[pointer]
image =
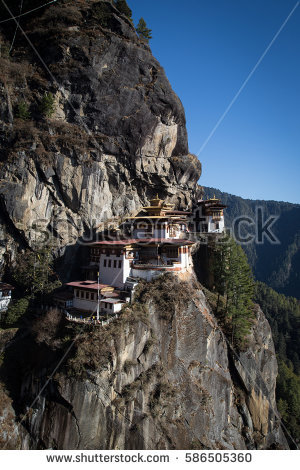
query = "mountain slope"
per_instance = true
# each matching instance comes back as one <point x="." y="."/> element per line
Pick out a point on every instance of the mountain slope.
<point x="80" y="154"/>
<point x="278" y="265"/>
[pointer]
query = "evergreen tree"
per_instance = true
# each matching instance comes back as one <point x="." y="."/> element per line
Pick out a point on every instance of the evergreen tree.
<point x="47" y="105"/>
<point x="234" y="280"/>
<point x="288" y="396"/>
<point x="23" y="110"/>
<point x="122" y="6"/>
<point x="34" y="274"/>
<point x="143" y="32"/>
<point x="16" y="309"/>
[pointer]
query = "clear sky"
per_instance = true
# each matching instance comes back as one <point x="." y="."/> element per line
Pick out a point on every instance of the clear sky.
<point x="208" y="48"/>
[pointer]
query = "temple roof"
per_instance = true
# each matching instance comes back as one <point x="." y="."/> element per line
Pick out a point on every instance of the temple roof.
<point x="4" y="286"/>
<point x="212" y="204"/>
<point x="112" y="301"/>
<point x="157" y="205"/>
<point x="89" y="285"/>
<point x="133" y="241"/>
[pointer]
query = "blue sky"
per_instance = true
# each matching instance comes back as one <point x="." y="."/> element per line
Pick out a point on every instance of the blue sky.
<point x="208" y="48"/>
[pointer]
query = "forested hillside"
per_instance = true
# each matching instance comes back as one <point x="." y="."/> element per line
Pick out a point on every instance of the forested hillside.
<point x="283" y="314"/>
<point x="278" y="265"/>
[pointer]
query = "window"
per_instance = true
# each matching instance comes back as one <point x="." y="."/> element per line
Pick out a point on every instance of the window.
<point x="76" y="293"/>
<point x="109" y="263"/>
<point x="104" y="263"/>
<point x="105" y="304"/>
<point x="110" y="306"/>
<point x="120" y="264"/>
<point x="81" y="294"/>
<point x="92" y="296"/>
<point x="115" y="263"/>
<point x="87" y="295"/>
<point x="172" y="252"/>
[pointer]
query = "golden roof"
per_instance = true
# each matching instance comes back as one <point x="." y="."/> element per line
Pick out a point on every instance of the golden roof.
<point x="158" y="204"/>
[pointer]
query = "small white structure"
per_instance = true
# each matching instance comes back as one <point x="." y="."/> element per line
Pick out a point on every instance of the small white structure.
<point x="209" y="216"/>
<point x="5" y="296"/>
<point x="87" y="293"/>
<point x="111" y="306"/>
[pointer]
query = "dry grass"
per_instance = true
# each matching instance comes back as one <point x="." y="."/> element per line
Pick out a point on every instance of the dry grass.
<point x="14" y="74"/>
<point x="46" y="328"/>
<point x="167" y="293"/>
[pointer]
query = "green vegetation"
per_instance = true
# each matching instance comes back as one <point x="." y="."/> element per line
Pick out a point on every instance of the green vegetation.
<point x="4" y="50"/>
<point x="34" y="278"/>
<point x="23" y="110"/>
<point x="34" y="274"/>
<point x="103" y="13"/>
<point x="14" y="6"/>
<point x="234" y="281"/>
<point x="47" y="105"/>
<point x="288" y="398"/>
<point x="123" y="8"/>
<point x="283" y="314"/>
<point x="16" y="309"/>
<point x="276" y="265"/>
<point x="143" y="32"/>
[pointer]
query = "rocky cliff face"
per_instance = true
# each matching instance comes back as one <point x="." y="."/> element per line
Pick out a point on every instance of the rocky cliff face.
<point x="159" y="377"/>
<point x="162" y="375"/>
<point x="117" y="135"/>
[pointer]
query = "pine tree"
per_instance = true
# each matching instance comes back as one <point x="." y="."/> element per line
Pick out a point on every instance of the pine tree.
<point x="16" y="309"/>
<point x="234" y="280"/>
<point x="122" y="6"/>
<point x="23" y="110"/>
<point x="143" y="32"/>
<point x="34" y="274"/>
<point x="47" y="105"/>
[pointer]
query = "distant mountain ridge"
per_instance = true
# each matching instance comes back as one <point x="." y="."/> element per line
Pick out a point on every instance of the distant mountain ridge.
<point x="278" y="265"/>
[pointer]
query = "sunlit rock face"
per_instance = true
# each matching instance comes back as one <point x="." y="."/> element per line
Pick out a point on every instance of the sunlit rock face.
<point x="162" y="376"/>
<point x="117" y="135"/>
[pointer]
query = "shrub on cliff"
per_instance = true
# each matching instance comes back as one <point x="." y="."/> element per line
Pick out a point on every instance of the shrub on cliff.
<point x="23" y="110"/>
<point x="167" y="292"/>
<point x="47" y="326"/>
<point x="103" y="13"/>
<point x="143" y="32"/>
<point x="47" y="105"/>
<point x="123" y="8"/>
<point x="33" y="273"/>
<point x="16" y="309"/>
